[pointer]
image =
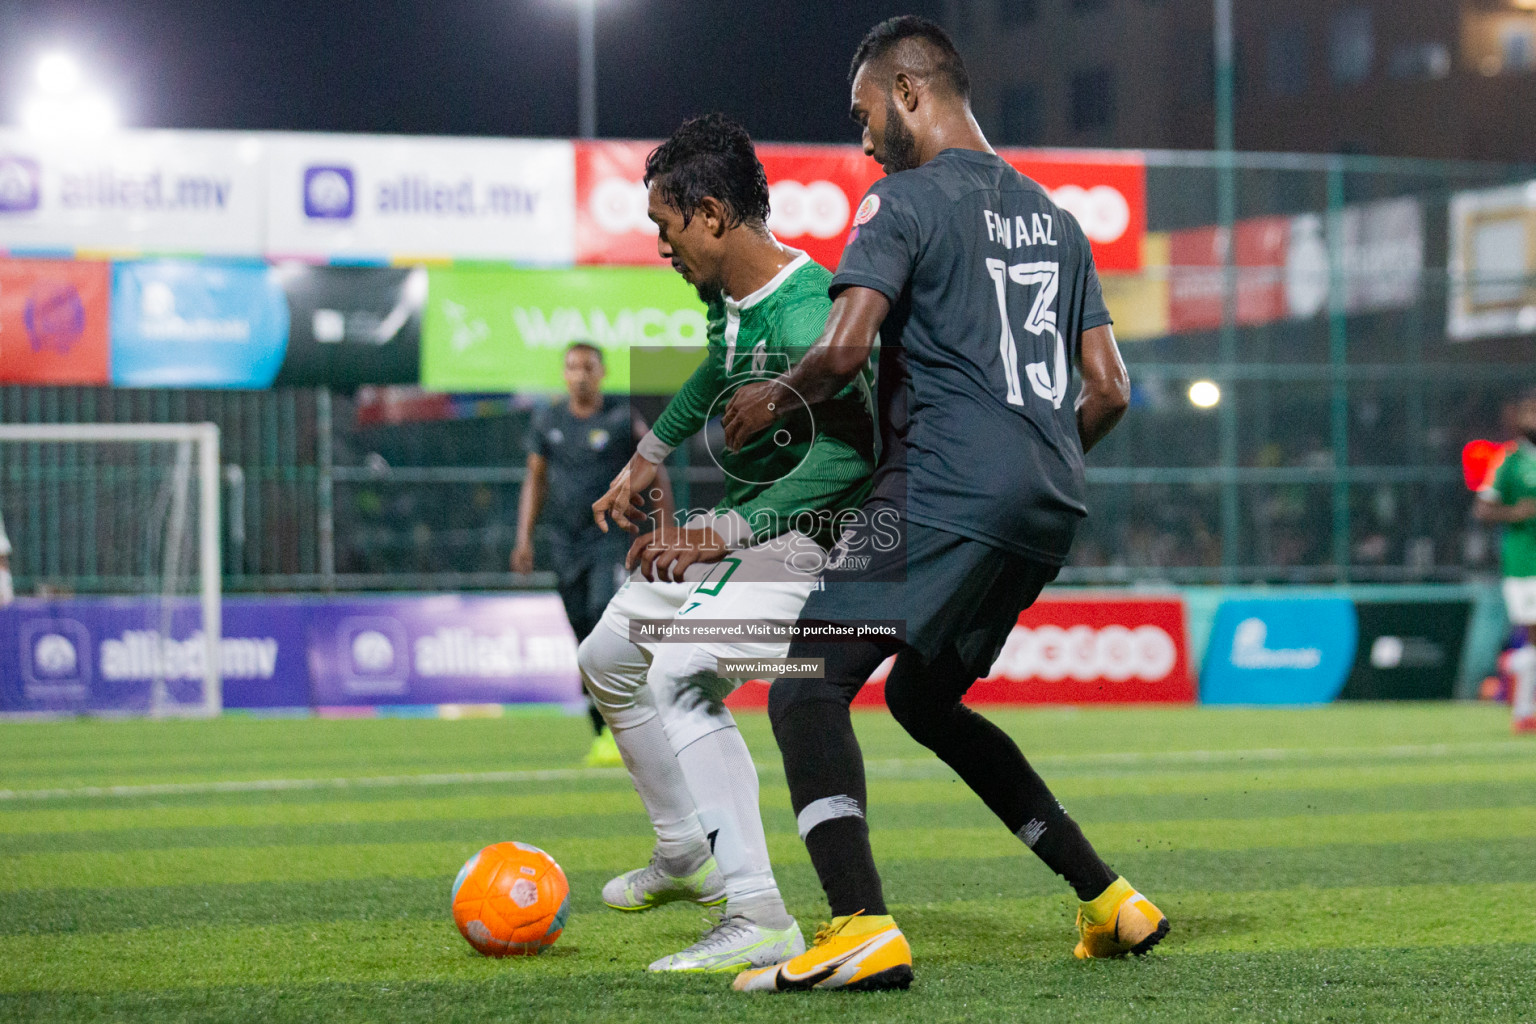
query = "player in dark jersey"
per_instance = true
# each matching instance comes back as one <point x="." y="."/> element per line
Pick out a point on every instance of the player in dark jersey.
<point x="983" y="295"/>
<point x="574" y="448"/>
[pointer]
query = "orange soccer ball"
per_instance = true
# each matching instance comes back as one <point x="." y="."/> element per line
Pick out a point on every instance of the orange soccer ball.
<point x="511" y="899"/>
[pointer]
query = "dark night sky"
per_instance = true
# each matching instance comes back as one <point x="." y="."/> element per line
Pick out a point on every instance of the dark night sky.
<point x="453" y="67"/>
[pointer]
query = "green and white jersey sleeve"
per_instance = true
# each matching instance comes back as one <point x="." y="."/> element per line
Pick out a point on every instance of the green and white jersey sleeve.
<point x="773" y="486"/>
<point x="1514" y="482"/>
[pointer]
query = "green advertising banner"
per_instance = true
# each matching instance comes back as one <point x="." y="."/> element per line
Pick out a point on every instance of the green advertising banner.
<point x="502" y="329"/>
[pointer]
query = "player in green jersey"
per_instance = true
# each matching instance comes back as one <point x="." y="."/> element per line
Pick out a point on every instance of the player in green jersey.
<point x="753" y="558"/>
<point x="1511" y="500"/>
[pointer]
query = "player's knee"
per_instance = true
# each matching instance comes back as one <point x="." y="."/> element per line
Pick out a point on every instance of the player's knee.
<point x="602" y="671"/>
<point x="786" y="696"/>
<point x="688" y="693"/>
<point x="918" y="708"/>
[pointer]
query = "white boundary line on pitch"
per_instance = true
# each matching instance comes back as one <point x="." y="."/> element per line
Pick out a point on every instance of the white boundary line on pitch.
<point x="887" y="768"/>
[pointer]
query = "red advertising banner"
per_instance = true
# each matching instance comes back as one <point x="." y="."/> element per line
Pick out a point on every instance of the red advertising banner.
<point x="1105" y="191"/>
<point x="611" y="225"/>
<point x="815" y="189"/>
<point x="1072" y="650"/>
<point x="53" y="322"/>
<point x="1195" y="258"/>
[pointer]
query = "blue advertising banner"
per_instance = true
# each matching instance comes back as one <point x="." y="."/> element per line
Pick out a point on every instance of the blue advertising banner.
<point x="179" y="323"/>
<point x="1296" y="651"/>
<point x="442" y="650"/>
<point x="102" y="655"/>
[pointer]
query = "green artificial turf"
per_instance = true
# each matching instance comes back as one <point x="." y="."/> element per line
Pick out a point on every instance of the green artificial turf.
<point x="1351" y="863"/>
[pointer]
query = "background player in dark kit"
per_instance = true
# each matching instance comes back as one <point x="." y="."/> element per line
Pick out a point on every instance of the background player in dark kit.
<point x="984" y="297"/>
<point x="574" y="448"/>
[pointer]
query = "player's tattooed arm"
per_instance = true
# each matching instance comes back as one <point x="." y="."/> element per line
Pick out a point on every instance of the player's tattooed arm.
<point x="1106" y="390"/>
<point x="835" y="359"/>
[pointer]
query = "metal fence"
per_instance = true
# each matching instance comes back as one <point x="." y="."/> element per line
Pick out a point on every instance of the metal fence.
<point x="1333" y="454"/>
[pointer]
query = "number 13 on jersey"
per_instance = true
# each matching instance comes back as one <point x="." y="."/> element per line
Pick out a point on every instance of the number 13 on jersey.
<point x="1041" y="322"/>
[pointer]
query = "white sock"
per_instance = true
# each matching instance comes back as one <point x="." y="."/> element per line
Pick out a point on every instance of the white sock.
<point x="1523" y="664"/>
<point x="614" y="670"/>
<point x="723" y="781"/>
<point x="682" y="845"/>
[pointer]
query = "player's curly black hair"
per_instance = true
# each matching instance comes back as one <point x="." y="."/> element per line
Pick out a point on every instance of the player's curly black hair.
<point x="947" y="65"/>
<point x="710" y="156"/>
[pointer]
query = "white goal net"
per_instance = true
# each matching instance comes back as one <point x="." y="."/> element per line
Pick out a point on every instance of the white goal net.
<point x="116" y="527"/>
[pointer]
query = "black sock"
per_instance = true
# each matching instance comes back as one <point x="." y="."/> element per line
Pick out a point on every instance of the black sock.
<point x="840" y="853"/>
<point x="925" y="699"/>
<point x="598" y="725"/>
<point x="1061" y="844"/>
<point x="825" y="771"/>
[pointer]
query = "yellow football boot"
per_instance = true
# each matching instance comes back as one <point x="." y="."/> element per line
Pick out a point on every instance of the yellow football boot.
<point x="854" y="953"/>
<point x="1120" y="921"/>
<point x="604" y="752"/>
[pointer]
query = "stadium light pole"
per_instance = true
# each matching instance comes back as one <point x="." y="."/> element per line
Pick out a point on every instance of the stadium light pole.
<point x="586" y="48"/>
<point x="1223" y="47"/>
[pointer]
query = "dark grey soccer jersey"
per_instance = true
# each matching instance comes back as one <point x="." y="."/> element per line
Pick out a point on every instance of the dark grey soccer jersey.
<point x="991" y="286"/>
<point x="583" y="456"/>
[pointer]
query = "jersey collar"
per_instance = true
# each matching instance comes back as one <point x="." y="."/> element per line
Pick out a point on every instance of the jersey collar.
<point x="800" y="260"/>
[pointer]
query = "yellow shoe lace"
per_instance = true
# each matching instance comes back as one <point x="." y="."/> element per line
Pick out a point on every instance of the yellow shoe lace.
<point x="827" y="931"/>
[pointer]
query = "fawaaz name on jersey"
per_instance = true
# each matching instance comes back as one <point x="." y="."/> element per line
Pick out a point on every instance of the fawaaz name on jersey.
<point x="1016" y="232"/>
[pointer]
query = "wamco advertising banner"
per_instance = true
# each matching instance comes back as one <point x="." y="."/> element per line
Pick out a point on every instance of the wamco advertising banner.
<point x="186" y="324"/>
<point x="383" y="198"/>
<point x="350" y="326"/>
<point x="171" y="192"/>
<point x="53" y="322"/>
<point x="500" y="330"/>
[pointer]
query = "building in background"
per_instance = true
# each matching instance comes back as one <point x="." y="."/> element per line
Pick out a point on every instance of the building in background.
<point x="1424" y="78"/>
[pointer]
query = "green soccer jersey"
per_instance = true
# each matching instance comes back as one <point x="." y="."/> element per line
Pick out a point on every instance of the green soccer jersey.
<point x="1514" y="482"/>
<point x="806" y="467"/>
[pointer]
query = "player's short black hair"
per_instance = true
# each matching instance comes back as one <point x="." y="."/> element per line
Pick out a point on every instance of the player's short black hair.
<point x="948" y="66"/>
<point x="710" y="156"/>
<point x="586" y="346"/>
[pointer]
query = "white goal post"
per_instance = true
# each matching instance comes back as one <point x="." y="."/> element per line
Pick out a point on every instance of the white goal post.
<point x="203" y="439"/>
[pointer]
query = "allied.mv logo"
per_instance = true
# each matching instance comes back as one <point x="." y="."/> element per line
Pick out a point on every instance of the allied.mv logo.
<point x="330" y="193"/>
<point x="54" y="656"/>
<point x="19" y="184"/>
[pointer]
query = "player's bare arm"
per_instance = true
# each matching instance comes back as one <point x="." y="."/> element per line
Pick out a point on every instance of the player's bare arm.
<point x="1106" y="390"/>
<point x="530" y="502"/>
<point x="663" y="501"/>
<point x="841" y="352"/>
<point x="1489" y="510"/>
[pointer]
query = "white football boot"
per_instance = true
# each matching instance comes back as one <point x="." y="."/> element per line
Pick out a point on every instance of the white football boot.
<point x="734" y="944"/>
<point x="650" y="886"/>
